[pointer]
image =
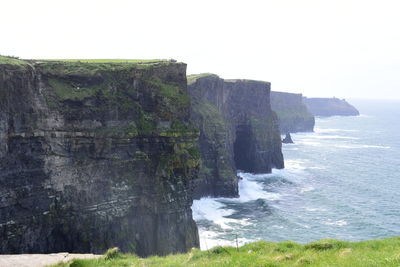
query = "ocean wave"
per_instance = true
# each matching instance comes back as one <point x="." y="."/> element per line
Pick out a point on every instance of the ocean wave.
<point x="314" y="209"/>
<point x="252" y="190"/>
<point x="211" y="209"/>
<point x="306" y="189"/>
<point x="362" y="146"/>
<point x="214" y="210"/>
<point x="332" y="130"/>
<point x="336" y="223"/>
<point x="307" y="142"/>
<point x="335" y="137"/>
<point x="366" y="116"/>
<point x="295" y="164"/>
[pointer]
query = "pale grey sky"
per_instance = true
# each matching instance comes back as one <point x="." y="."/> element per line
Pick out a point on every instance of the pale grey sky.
<point x="342" y="48"/>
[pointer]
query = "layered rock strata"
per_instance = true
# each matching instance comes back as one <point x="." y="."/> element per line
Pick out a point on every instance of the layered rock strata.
<point x="94" y="156"/>
<point x="293" y="114"/>
<point x="238" y="131"/>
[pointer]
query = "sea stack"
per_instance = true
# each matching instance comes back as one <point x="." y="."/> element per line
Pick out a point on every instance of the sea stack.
<point x="287" y="139"/>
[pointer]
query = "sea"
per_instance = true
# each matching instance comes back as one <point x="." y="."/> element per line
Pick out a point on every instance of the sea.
<point x="341" y="181"/>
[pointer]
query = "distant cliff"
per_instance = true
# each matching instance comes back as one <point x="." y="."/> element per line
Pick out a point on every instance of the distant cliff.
<point x="292" y="113"/>
<point x="330" y="107"/>
<point x="238" y="130"/>
<point x="96" y="155"/>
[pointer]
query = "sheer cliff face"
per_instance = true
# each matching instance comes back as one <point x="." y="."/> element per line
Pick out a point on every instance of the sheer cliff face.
<point x="94" y="156"/>
<point x="238" y="130"/>
<point x="292" y="113"/>
<point x="330" y="107"/>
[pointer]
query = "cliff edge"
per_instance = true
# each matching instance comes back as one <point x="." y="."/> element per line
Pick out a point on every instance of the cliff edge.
<point x="330" y="107"/>
<point x="96" y="155"/>
<point x="293" y="114"/>
<point x="238" y="130"/>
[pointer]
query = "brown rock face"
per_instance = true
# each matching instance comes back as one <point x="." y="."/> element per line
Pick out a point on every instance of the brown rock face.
<point x="94" y="156"/>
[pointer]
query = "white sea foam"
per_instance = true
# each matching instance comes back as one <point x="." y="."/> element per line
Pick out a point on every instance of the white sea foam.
<point x="294" y="164"/>
<point x="362" y="146"/>
<point x="306" y="189"/>
<point x="314" y="209"/>
<point x="308" y="142"/>
<point x="332" y="130"/>
<point x="211" y="209"/>
<point x="337" y="223"/>
<point x="250" y="189"/>
<point x="316" y="168"/>
<point x="335" y="137"/>
<point x="366" y="116"/>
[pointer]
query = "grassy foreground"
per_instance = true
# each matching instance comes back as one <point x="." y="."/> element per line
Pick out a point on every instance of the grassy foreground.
<point x="384" y="252"/>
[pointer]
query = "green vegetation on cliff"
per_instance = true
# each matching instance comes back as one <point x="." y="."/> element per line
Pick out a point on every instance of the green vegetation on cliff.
<point x="13" y="61"/>
<point x="106" y="60"/>
<point x="292" y="113"/>
<point x="123" y="127"/>
<point x="193" y="77"/>
<point x="328" y="252"/>
<point x="213" y="128"/>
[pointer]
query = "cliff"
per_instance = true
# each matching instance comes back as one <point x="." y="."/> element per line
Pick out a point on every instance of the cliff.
<point x="96" y="155"/>
<point x="238" y="130"/>
<point x="293" y="114"/>
<point x="330" y="107"/>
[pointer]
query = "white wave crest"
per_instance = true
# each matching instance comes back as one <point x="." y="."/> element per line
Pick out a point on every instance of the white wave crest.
<point x="335" y="137"/>
<point x="250" y="189"/>
<point x="211" y="209"/>
<point x="332" y="130"/>
<point x="362" y="146"/>
<point x="337" y="223"/>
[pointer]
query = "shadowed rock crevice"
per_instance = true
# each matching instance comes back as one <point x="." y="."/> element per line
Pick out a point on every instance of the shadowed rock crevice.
<point x="243" y="149"/>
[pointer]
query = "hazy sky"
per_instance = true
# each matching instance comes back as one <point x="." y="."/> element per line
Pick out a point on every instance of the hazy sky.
<point x="342" y="48"/>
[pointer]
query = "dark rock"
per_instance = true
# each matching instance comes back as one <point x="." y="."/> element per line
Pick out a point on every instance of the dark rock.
<point x="330" y="107"/>
<point x="238" y="130"/>
<point x="94" y="156"/>
<point x="292" y="113"/>
<point x="287" y="139"/>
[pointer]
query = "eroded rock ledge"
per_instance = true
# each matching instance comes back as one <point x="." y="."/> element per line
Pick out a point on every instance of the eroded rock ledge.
<point x="238" y="130"/>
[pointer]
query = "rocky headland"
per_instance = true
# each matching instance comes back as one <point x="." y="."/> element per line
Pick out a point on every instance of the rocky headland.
<point x="96" y="155"/>
<point x="293" y="114"/>
<point x="238" y="131"/>
<point x="330" y="107"/>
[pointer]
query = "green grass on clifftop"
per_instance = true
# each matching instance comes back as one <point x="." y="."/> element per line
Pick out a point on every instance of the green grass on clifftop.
<point x="12" y="61"/>
<point x="384" y="252"/>
<point x="137" y="61"/>
<point x="191" y="78"/>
